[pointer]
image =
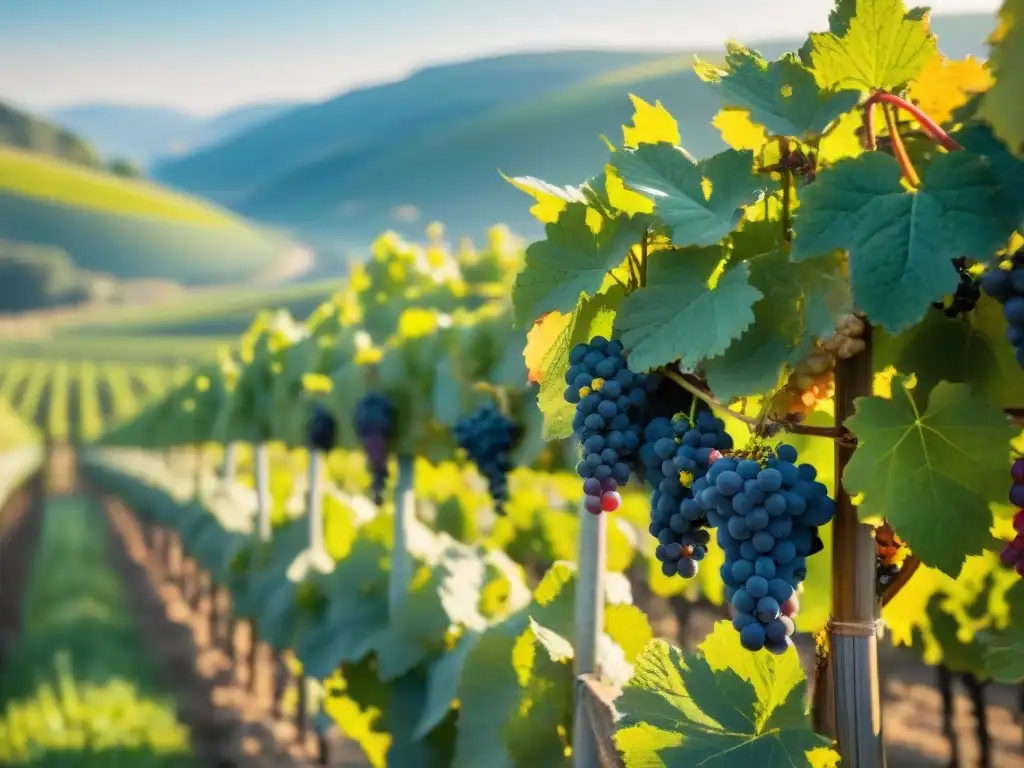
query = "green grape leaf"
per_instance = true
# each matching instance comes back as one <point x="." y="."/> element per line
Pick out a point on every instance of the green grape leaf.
<point x="695" y="214"/>
<point x="443" y="595"/>
<point x="443" y="678"/>
<point x="572" y="260"/>
<point x="592" y="317"/>
<point x="902" y="243"/>
<point x="1006" y="168"/>
<point x="406" y="699"/>
<point x="1001" y="105"/>
<point x="448" y="403"/>
<point x="930" y="474"/>
<point x="535" y="734"/>
<point x="946" y="349"/>
<point x="799" y="301"/>
<point x="488" y="693"/>
<point x="721" y="706"/>
<point x="879" y="47"/>
<point x="1004" y="648"/>
<point x="780" y="95"/>
<point x="678" y="316"/>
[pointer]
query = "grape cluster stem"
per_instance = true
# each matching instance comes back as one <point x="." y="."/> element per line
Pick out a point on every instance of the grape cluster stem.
<point x="761" y="424"/>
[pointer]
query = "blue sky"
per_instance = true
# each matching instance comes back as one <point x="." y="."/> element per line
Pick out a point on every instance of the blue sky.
<point x="207" y="55"/>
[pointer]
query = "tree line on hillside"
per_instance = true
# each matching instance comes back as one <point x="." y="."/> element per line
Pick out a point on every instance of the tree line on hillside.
<point x="23" y="131"/>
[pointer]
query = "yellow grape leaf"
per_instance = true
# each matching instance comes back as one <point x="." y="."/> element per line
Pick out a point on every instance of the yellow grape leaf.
<point x="628" y="626"/>
<point x="1003" y="105"/>
<point x="651" y="124"/>
<point x="841" y="141"/>
<point x="738" y="130"/>
<point x="551" y="199"/>
<point x="623" y="199"/>
<point x="539" y="341"/>
<point x="944" y="85"/>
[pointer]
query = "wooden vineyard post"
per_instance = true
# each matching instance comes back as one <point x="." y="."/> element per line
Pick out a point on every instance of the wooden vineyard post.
<point x="314" y="502"/>
<point x="230" y="465"/>
<point x="262" y="470"/>
<point x="855" y="720"/>
<point x="315" y="510"/>
<point x="197" y="490"/>
<point x="405" y="509"/>
<point x="589" y="626"/>
<point x="263" y="529"/>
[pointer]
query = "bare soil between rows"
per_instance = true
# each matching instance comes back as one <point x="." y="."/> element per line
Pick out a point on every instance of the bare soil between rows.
<point x="232" y="716"/>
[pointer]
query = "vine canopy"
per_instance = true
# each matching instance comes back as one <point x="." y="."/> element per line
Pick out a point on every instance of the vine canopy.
<point x="838" y="193"/>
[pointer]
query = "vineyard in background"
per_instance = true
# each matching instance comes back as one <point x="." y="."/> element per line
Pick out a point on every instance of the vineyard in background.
<point x="77" y="400"/>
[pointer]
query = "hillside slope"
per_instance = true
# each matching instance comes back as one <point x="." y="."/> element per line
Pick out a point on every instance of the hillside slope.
<point x="425" y="102"/>
<point x="128" y="229"/>
<point x="452" y="174"/>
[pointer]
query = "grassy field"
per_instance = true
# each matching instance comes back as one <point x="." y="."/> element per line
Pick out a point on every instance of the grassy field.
<point x="126" y="348"/>
<point x="47" y="178"/>
<point x="200" y="319"/>
<point x="126" y="228"/>
<point x="217" y="313"/>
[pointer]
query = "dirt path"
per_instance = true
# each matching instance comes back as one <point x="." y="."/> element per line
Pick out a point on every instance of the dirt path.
<point x="231" y="715"/>
<point x="19" y="531"/>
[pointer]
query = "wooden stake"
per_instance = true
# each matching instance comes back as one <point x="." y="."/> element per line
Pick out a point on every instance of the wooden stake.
<point x="589" y="623"/>
<point x="853" y="629"/>
<point x="314" y="503"/>
<point x="405" y="509"/>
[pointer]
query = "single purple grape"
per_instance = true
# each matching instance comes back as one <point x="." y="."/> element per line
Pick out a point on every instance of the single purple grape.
<point x="1017" y="495"/>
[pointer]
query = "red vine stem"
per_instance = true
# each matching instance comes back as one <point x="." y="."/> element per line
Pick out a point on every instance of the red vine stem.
<point x="898" y="148"/>
<point x="870" y="143"/>
<point x="928" y="125"/>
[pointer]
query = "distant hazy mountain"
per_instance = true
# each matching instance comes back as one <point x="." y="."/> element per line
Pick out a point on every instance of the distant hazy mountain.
<point x="430" y="146"/>
<point x="144" y="134"/>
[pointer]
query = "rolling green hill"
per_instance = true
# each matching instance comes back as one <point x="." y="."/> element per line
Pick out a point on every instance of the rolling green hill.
<point x="452" y="175"/>
<point x="126" y="228"/>
<point x="425" y="102"/>
<point x="430" y="147"/>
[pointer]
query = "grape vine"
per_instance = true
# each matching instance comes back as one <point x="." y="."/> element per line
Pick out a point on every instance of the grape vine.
<point x="375" y="421"/>
<point x="488" y="437"/>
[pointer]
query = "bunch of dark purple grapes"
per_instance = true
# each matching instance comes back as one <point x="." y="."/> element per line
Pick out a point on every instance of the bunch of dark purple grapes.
<point x="676" y="454"/>
<point x="1013" y="553"/>
<point x="376" y="421"/>
<point x="488" y="436"/>
<point x="1007" y="287"/>
<point x="609" y="400"/>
